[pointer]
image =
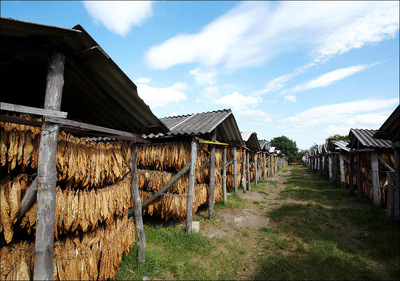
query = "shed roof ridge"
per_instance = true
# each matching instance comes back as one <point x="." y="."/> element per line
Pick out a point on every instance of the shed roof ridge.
<point x="198" y="113"/>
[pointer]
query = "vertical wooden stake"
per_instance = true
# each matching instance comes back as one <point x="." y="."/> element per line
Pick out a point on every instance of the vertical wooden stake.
<point x="389" y="197"/>
<point x="192" y="178"/>
<point x="396" y="193"/>
<point x="351" y="174"/>
<point x="375" y="178"/>
<point x="269" y="165"/>
<point x="212" y="178"/>
<point x="265" y="165"/>
<point x="224" y="176"/>
<point x="359" y="183"/>
<point x="256" y="167"/>
<point x="330" y="166"/>
<point x="137" y="204"/>
<point x="248" y="172"/>
<point x="235" y="169"/>
<point x="47" y="172"/>
<point x="244" y="171"/>
<point x="342" y="175"/>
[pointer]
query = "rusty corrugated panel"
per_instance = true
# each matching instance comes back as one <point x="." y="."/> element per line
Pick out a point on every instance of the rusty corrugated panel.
<point x="363" y="138"/>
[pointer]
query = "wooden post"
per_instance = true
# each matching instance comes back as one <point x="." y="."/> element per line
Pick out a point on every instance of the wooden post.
<point x="396" y="193"/>
<point x="330" y="166"/>
<point x="256" y="167"/>
<point x="351" y="183"/>
<point x="47" y="172"/>
<point x="244" y="171"/>
<point x="389" y="197"/>
<point x="342" y="175"/>
<point x="265" y="165"/>
<point x="248" y="173"/>
<point x="137" y="204"/>
<point x="235" y="169"/>
<point x="192" y="179"/>
<point x="224" y="176"/>
<point x="29" y="199"/>
<point x="269" y="165"/>
<point x="212" y="178"/>
<point x="375" y="178"/>
<point x="359" y="183"/>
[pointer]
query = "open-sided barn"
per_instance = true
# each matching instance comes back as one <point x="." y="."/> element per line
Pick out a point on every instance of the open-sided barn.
<point x="59" y="87"/>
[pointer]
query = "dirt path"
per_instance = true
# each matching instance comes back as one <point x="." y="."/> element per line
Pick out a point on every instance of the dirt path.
<point x="241" y="226"/>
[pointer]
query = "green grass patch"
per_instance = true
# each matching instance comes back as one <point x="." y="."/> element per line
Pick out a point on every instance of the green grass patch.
<point x="263" y="192"/>
<point x="234" y="202"/>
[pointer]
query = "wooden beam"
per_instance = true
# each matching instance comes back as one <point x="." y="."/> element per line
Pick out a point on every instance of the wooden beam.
<point x="163" y="189"/>
<point x="375" y="178"/>
<point x="385" y="165"/>
<point x="32" y="110"/>
<point x="235" y="169"/>
<point x="359" y="183"/>
<point x="28" y="200"/>
<point x="213" y="142"/>
<point x="248" y="173"/>
<point x="396" y="192"/>
<point x="351" y="174"/>
<point x="47" y="172"/>
<point x="256" y="168"/>
<point x="389" y="196"/>
<point x="224" y="176"/>
<point x="137" y="207"/>
<point x="244" y="171"/>
<point x="342" y="175"/>
<point x="192" y="179"/>
<point x="212" y="178"/>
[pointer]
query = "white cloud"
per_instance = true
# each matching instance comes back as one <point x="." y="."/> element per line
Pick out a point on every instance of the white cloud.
<point x="119" y="16"/>
<point x="290" y="98"/>
<point x="160" y="97"/>
<point x="206" y="77"/>
<point x="238" y="101"/>
<point x="253" y="32"/>
<point x="367" y="113"/>
<point x="256" y="116"/>
<point x="143" y="80"/>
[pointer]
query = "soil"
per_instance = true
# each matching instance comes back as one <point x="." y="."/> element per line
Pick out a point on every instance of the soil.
<point x="242" y="225"/>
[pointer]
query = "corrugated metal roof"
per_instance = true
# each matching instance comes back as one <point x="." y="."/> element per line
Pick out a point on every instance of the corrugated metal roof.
<point x="251" y="140"/>
<point x="203" y="124"/>
<point x="96" y="90"/>
<point x="390" y="130"/>
<point x="272" y="149"/>
<point x="264" y="145"/>
<point x="337" y="145"/>
<point x="363" y="138"/>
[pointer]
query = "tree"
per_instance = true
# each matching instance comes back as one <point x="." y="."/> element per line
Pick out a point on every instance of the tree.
<point x="338" y="137"/>
<point x="287" y="146"/>
<point x="299" y="155"/>
<point x="314" y="146"/>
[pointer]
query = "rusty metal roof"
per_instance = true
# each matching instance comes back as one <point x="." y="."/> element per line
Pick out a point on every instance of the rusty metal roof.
<point x="251" y="140"/>
<point x="363" y="138"/>
<point x="390" y="130"/>
<point x="96" y="90"/>
<point x="202" y="125"/>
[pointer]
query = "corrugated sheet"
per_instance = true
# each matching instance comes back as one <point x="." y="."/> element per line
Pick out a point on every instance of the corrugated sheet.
<point x="390" y="130"/>
<point x="202" y="124"/>
<point x="251" y="140"/>
<point x="363" y="138"/>
<point x="96" y="90"/>
<point x="264" y="145"/>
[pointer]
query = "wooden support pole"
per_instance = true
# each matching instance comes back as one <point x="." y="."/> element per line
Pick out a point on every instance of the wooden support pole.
<point x="29" y="199"/>
<point x="137" y="205"/>
<point x="342" y="175"/>
<point x="47" y="172"/>
<point x="224" y="176"/>
<point x="256" y="167"/>
<point x="212" y="178"/>
<point x="359" y="183"/>
<point x="389" y="196"/>
<point x="330" y="166"/>
<point x="244" y="171"/>
<point x="396" y="193"/>
<point x="269" y="165"/>
<point x="384" y="164"/>
<point x="351" y="174"/>
<point x="375" y="178"/>
<point x="265" y="165"/>
<point x="192" y="179"/>
<point x="248" y="173"/>
<point x="235" y="169"/>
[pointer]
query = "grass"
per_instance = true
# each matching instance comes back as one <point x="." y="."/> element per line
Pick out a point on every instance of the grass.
<point x="328" y="235"/>
<point x="323" y="234"/>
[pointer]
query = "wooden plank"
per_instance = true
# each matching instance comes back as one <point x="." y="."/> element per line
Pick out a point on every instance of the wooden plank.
<point x="47" y="172"/>
<point x="235" y="169"/>
<point x="32" y="110"/>
<point x="212" y="178"/>
<point x="385" y="165"/>
<point x="137" y="205"/>
<point x="248" y="173"/>
<point x="28" y="200"/>
<point x="342" y="175"/>
<point x="224" y="176"/>
<point x="163" y="189"/>
<point x="351" y="174"/>
<point x="244" y="171"/>
<point x="17" y="120"/>
<point x="359" y="183"/>
<point x="396" y="194"/>
<point x="214" y="142"/>
<point x="389" y="196"/>
<point x="192" y="179"/>
<point x="375" y="178"/>
<point x="256" y="167"/>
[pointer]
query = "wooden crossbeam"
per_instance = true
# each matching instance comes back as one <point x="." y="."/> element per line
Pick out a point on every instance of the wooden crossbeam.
<point x="32" y="110"/>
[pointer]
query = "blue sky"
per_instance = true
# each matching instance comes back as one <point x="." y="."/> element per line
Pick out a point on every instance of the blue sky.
<point x="306" y="70"/>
